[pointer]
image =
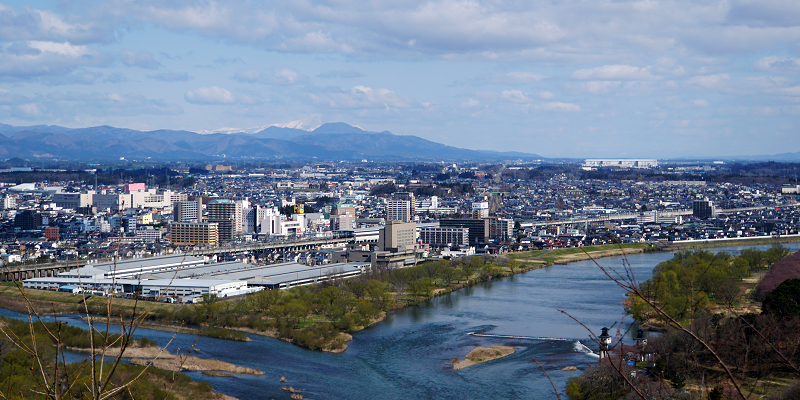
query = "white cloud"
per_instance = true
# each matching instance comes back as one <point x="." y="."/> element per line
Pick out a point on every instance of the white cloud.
<point x="46" y="25"/>
<point x="210" y="95"/>
<point x="700" y="103"/>
<point x="517" y="78"/>
<point x="514" y="95"/>
<point x="596" y="87"/>
<point x="30" y="109"/>
<point x="557" y="106"/>
<point x="716" y="81"/>
<point x="247" y="75"/>
<point x="286" y="76"/>
<point x="74" y="104"/>
<point x="171" y="76"/>
<point x="362" y="97"/>
<point x="340" y="74"/>
<point x="470" y="103"/>
<point x="41" y="58"/>
<point x="140" y="59"/>
<point x="64" y="49"/>
<point x="10" y="98"/>
<point x="546" y="95"/>
<point x="779" y="64"/>
<point x="615" y="72"/>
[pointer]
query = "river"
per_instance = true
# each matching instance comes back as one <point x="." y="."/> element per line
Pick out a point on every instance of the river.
<point x="406" y="355"/>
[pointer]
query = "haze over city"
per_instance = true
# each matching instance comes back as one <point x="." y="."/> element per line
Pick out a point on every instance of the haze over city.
<point x="599" y="79"/>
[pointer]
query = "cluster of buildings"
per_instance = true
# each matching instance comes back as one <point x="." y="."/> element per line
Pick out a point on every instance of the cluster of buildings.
<point x="186" y="279"/>
<point x="392" y="215"/>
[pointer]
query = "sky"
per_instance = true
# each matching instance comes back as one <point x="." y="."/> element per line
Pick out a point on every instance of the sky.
<point x="655" y="79"/>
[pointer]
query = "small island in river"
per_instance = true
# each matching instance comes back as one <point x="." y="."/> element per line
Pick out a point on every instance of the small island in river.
<point x="482" y="354"/>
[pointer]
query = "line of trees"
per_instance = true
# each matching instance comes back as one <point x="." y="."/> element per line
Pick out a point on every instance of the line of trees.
<point x="713" y="345"/>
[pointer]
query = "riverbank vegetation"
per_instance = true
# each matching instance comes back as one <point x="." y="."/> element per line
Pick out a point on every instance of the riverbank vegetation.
<point x="715" y="341"/>
<point x="697" y="282"/>
<point x="33" y="367"/>
<point x="572" y="254"/>
<point x="320" y="316"/>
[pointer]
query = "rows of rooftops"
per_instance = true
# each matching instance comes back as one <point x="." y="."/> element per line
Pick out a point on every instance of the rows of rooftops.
<point x="187" y="276"/>
<point x="527" y="193"/>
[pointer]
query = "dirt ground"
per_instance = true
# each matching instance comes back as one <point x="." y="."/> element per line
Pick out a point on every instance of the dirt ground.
<point x="177" y="362"/>
<point x="482" y="354"/>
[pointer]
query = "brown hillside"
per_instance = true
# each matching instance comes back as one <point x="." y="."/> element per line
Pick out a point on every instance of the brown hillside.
<point x="786" y="268"/>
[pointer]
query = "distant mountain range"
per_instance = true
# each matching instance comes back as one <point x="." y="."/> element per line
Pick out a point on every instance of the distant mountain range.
<point x="333" y="141"/>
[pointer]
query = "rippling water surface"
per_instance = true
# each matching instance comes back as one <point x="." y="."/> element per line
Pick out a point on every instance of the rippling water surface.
<point x="406" y="356"/>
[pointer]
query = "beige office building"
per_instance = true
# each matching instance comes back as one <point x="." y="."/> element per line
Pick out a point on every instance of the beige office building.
<point x="398" y="236"/>
<point x="192" y="233"/>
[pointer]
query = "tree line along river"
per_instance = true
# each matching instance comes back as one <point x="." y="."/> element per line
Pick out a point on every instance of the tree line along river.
<point x="407" y="355"/>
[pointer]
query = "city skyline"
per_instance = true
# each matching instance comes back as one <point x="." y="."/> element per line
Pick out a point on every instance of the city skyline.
<point x="609" y="79"/>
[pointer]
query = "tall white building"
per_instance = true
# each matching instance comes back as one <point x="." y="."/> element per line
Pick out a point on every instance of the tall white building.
<point x="254" y="215"/>
<point x="187" y="211"/>
<point x="8" y="203"/>
<point x="398" y="210"/>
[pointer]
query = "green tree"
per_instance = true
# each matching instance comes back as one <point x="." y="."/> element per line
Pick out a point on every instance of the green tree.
<point x="784" y="301"/>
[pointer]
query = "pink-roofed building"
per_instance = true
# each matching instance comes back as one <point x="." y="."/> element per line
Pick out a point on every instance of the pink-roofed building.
<point x="132" y="187"/>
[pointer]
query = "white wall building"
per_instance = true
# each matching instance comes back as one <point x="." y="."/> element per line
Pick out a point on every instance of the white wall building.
<point x="621" y="162"/>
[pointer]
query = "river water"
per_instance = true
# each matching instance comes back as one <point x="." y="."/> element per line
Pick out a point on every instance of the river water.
<point x="407" y="355"/>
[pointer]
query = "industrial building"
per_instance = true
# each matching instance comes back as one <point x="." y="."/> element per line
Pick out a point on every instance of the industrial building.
<point x="153" y="288"/>
<point x="275" y="276"/>
<point x="187" y="277"/>
<point x="134" y="267"/>
<point x="621" y="162"/>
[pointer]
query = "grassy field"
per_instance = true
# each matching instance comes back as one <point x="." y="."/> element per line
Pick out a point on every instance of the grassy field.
<point x="567" y="255"/>
<point x="698" y="244"/>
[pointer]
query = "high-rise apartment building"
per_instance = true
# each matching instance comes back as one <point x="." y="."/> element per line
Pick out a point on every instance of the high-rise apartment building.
<point x="28" y="220"/>
<point x="191" y="233"/>
<point x="501" y="228"/>
<point x="188" y="211"/>
<point x="703" y="209"/>
<point x="398" y="210"/>
<point x="227" y="214"/>
<point x="8" y="203"/>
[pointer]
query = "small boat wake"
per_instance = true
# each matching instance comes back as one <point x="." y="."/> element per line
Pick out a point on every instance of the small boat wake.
<point x="517" y="337"/>
<point x="582" y="348"/>
<point x="578" y="347"/>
